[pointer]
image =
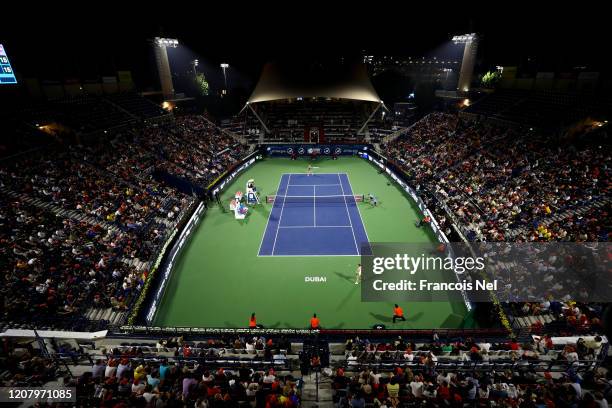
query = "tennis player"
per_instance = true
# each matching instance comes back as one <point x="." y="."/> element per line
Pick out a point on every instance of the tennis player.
<point x="358" y="275"/>
<point x="309" y="170"/>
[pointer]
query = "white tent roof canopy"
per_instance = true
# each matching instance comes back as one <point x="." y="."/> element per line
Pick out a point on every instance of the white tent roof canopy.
<point x="280" y="82"/>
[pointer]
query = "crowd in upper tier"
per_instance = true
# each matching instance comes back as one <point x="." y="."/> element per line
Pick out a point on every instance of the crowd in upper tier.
<point x="81" y="225"/>
<point x="502" y="183"/>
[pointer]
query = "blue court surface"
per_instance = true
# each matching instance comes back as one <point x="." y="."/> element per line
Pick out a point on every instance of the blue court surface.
<point x="314" y="215"/>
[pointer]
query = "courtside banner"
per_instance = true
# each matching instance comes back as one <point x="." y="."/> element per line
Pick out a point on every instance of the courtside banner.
<point x="308" y="149"/>
<point x="512" y="272"/>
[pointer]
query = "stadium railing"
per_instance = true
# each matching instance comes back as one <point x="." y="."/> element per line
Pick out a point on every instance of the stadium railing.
<point x="154" y="288"/>
<point x="194" y="333"/>
<point x="220" y="182"/>
<point x="473" y="366"/>
<point x="403" y="180"/>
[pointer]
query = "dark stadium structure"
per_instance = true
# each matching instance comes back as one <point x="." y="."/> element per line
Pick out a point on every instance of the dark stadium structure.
<point x="141" y="267"/>
<point x="294" y="101"/>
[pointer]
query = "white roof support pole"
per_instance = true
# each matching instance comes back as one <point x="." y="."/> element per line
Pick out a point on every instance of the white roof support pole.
<point x="370" y="118"/>
<point x="258" y="118"/>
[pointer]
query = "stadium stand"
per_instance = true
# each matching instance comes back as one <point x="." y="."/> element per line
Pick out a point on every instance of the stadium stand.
<point x="339" y="120"/>
<point x="546" y="109"/>
<point x="85" y="222"/>
<point x="88" y="114"/>
<point x="486" y="181"/>
<point x="287" y="122"/>
<point x="264" y="371"/>
<point x="135" y="105"/>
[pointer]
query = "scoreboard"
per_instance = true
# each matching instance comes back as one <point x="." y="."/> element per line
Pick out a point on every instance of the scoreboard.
<point x="7" y="76"/>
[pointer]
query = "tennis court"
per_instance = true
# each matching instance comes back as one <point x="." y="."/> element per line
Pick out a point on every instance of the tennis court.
<point x="218" y="280"/>
<point x="314" y="215"/>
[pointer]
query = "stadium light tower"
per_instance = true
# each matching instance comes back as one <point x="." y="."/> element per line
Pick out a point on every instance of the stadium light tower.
<point x="224" y="66"/>
<point x="195" y="64"/>
<point x="469" y="60"/>
<point x="163" y="66"/>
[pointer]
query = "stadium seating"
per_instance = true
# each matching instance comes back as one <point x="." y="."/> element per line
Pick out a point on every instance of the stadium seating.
<point x="135" y="105"/>
<point x="263" y="371"/>
<point x="87" y="222"/>
<point x="340" y="122"/>
<point x="546" y="109"/>
<point x="439" y="373"/>
<point x="88" y="114"/>
<point x="503" y="183"/>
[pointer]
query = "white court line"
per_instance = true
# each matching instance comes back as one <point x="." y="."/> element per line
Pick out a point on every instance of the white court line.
<point x="314" y="205"/>
<point x="309" y="185"/>
<point x="359" y="212"/>
<point x="319" y="196"/>
<point x="269" y="215"/>
<point x="305" y="256"/>
<point x="280" y="216"/>
<point x="348" y="215"/>
<point x="318" y="226"/>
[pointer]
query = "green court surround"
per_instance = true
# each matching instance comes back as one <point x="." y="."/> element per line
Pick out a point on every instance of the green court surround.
<point x="219" y="280"/>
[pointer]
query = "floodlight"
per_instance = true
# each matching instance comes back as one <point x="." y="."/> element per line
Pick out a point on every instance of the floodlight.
<point x="465" y="38"/>
<point x="166" y="42"/>
<point x="224" y="66"/>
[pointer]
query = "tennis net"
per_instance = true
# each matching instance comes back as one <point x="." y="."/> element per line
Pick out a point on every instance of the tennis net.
<point x="318" y="200"/>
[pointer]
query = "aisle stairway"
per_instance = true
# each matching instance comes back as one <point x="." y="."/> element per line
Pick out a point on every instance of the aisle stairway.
<point x="309" y="391"/>
<point x="60" y="212"/>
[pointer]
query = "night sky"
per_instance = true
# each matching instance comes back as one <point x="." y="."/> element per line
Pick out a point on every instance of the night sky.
<point x="85" y="44"/>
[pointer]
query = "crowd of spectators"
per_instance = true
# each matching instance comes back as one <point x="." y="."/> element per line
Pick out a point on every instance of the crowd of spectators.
<point x="53" y="266"/>
<point x="501" y="183"/>
<point x="570" y="317"/>
<point x="194" y="376"/>
<point x="193" y="148"/>
<point x="22" y="365"/>
<point x="74" y="219"/>
<point x="400" y="351"/>
<point x="495" y="183"/>
<point x="71" y="217"/>
<point x="414" y="377"/>
<point x="433" y="388"/>
<point x="127" y="383"/>
<point x="213" y="347"/>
